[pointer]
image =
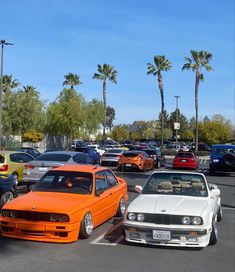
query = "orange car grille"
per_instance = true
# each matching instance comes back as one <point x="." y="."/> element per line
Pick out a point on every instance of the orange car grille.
<point x="33" y="216"/>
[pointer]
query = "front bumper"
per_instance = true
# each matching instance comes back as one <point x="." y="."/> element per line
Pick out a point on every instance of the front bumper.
<point x="39" y="231"/>
<point x="180" y="236"/>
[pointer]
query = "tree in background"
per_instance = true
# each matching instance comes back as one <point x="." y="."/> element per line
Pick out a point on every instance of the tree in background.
<point x="23" y="111"/>
<point x="9" y="84"/>
<point x="110" y="117"/>
<point x="30" y="89"/>
<point x="215" y="131"/>
<point x="120" y="133"/>
<point x="94" y="117"/>
<point x="72" y="80"/>
<point x="32" y="136"/>
<point x="105" y="72"/>
<point x="196" y="63"/>
<point x="160" y="64"/>
<point x="66" y="115"/>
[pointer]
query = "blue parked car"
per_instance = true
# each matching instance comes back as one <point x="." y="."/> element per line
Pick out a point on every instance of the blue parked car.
<point x="7" y="189"/>
<point x="91" y="152"/>
<point x="222" y="158"/>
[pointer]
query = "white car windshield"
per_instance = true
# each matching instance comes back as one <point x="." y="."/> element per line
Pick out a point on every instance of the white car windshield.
<point x="176" y="184"/>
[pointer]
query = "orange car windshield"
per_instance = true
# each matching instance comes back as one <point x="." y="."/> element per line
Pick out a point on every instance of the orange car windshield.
<point x="65" y="182"/>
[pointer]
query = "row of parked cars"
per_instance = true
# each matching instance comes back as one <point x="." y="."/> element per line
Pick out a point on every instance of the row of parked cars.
<point x="174" y="208"/>
<point x="68" y="200"/>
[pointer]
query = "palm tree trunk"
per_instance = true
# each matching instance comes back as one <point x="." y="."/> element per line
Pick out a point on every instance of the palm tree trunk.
<point x="104" y="100"/>
<point x="160" y="85"/>
<point x="196" y="109"/>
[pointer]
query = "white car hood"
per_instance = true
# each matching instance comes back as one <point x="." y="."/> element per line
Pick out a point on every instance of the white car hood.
<point x="169" y="204"/>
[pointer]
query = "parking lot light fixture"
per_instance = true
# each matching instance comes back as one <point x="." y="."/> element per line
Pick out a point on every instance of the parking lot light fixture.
<point x="2" y="42"/>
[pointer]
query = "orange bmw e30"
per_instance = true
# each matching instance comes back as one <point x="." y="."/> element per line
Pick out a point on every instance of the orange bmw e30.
<point x="66" y="204"/>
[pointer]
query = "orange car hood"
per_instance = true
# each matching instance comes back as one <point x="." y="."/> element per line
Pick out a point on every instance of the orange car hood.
<point x="49" y="202"/>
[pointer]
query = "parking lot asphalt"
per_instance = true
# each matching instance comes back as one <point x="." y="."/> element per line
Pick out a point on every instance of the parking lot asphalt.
<point x="106" y="250"/>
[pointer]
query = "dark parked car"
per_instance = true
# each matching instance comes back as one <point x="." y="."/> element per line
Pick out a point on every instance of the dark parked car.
<point x="155" y="154"/>
<point x="7" y="189"/>
<point x="29" y="150"/>
<point x="222" y="158"/>
<point x="201" y="147"/>
<point x="91" y="152"/>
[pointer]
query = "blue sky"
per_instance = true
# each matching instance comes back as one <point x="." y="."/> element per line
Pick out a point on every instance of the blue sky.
<point x="54" y="37"/>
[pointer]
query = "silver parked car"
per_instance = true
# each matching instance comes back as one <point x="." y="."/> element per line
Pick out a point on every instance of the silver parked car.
<point x="35" y="169"/>
<point x="111" y="156"/>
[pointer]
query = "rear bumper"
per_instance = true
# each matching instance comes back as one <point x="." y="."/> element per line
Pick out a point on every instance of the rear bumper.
<point x="108" y="161"/>
<point x="131" y="166"/>
<point x="185" y="166"/>
<point x="39" y="231"/>
<point x="219" y="167"/>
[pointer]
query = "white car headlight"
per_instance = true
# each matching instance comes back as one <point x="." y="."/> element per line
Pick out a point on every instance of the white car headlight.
<point x="196" y="220"/>
<point x="140" y="217"/>
<point x="131" y="216"/>
<point x="186" y="220"/>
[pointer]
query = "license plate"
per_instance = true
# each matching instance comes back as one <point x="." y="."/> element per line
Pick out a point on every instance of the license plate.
<point x="128" y="165"/>
<point x="184" y="160"/>
<point x="43" y="169"/>
<point x="161" y="235"/>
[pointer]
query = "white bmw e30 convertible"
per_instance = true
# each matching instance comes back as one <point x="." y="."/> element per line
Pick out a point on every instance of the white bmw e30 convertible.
<point x="174" y="208"/>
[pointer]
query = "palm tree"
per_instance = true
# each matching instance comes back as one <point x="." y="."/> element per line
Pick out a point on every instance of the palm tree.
<point x="9" y="83"/>
<point x="160" y="64"/>
<point x="30" y="89"/>
<point x="72" y="80"/>
<point x="198" y="61"/>
<point x="105" y="72"/>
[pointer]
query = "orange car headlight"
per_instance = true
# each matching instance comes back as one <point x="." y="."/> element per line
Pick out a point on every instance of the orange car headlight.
<point x="9" y="213"/>
<point x="56" y="217"/>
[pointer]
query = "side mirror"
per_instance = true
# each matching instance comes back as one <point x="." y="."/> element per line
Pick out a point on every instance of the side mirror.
<point x="212" y="186"/>
<point x="138" y="189"/>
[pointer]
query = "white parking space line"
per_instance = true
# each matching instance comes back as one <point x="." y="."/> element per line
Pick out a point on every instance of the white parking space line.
<point x="115" y="243"/>
<point x="203" y="161"/>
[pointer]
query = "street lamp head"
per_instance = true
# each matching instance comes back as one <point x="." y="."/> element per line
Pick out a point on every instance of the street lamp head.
<point x="3" y="42"/>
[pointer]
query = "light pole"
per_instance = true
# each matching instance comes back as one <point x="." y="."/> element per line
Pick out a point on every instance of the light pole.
<point x="2" y="42"/>
<point x="177" y="120"/>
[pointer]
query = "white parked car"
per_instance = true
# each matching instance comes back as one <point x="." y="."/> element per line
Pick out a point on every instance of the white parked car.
<point x="174" y="208"/>
<point x="98" y="148"/>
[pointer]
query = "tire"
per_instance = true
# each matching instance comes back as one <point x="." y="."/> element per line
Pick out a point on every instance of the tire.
<point x="214" y="234"/>
<point x="121" y="208"/>
<point x="5" y="198"/>
<point x="212" y="172"/>
<point x="219" y="214"/>
<point x="86" y="226"/>
<point x="229" y="160"/>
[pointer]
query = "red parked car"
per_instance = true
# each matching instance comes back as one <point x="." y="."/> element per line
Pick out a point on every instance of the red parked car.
<point x="186" y="160"/>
